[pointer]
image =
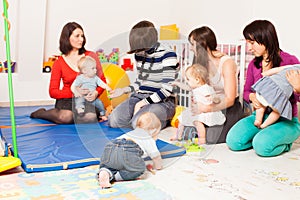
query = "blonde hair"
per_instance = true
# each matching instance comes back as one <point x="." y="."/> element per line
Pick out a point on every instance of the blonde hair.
<point x="148" y="121"/>
<point x="198" y="71"/>
<point x="86" y="62"/>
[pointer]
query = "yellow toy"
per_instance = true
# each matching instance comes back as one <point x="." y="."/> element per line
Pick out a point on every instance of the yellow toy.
<point x="9" y="162"/>
<point x="169" y="32"/>
<point x="178" y="111"/>
<point x="6" y="160"/>
<point x="116" y="77"/>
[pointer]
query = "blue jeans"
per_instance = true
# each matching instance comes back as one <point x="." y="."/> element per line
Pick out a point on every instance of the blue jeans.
<point x="122" y="115"/>
<point x="123" y="156"/>
<point x="80" y="101"/>
<point x="270" y="141"/>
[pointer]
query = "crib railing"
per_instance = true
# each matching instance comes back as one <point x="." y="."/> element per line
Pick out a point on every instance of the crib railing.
<point x="236" y="50"/>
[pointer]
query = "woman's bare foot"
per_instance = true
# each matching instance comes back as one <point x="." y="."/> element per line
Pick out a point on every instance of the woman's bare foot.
<point x="36" y="113"/>
<point x="103" y="179"/>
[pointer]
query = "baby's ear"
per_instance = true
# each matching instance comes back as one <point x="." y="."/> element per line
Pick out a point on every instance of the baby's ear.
<point x="197" y="79"/>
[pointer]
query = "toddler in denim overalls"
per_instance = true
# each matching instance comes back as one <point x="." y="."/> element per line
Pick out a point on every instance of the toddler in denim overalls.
<point x="123" y="157"/>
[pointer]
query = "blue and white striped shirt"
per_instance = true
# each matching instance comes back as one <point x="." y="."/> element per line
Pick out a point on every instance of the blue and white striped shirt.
<point x="156" y="68"/>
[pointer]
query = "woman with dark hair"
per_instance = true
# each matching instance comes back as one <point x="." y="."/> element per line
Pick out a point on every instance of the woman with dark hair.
<point x="222" y="76"/>
<point x="151" y="92"/>
<point x="64" y="70"/>
<point x="262" y="41"/>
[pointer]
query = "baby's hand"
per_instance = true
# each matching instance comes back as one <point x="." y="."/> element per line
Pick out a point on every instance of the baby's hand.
<point x="181" y="85"/>
<point x="108" y="89"/>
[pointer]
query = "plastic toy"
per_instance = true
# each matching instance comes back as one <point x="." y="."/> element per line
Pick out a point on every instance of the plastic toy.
<point x="191" y="145"/>
<point x="10" y="88"/>
<point x="169" y="32"/>
<point x="9" y="162"/>
<point x="12" y="65"/>
<point x="101" y="55"/>
<point x="178" y="111"/>
<point x="1" y="67"/>
<point x="116" y="77"/>
<point x="47" y="66"/>
<point x="113" y="57"/>
<point x="127" y="65"/>
<point x="6" y="160"/>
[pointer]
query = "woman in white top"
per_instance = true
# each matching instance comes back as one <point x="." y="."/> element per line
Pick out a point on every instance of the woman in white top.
<point x="222" y="72"/>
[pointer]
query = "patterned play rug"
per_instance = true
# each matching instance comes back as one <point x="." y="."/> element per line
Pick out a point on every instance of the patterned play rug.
<point x="73" y="184"/>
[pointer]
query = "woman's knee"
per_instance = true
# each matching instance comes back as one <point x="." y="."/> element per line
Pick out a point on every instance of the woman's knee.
<point x="113" y="121"/>
<point x="233" y="143"/>
<point x="65" y="117"/>
<point x="118" y="120"/>
<point x="233" y="139"/>
<point x="262" y="148"/>
<point x="268" y="148"/>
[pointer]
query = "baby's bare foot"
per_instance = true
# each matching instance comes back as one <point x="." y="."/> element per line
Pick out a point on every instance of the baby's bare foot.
<point x="103" y="118"/>
<point x="104" y="179"/>
<point x="175" y="138"/>
<point x="257" y="123"/>
<point x="263" y="125"/>
<point x="80" y="110"/>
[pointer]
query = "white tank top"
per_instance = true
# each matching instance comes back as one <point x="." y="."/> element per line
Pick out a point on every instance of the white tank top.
<point x="217" y="82"/>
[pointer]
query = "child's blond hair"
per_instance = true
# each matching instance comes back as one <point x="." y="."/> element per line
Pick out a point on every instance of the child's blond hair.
<point x="148" y="121"/>
<point x="198" y="71"/>
<point x="86" y="62"/>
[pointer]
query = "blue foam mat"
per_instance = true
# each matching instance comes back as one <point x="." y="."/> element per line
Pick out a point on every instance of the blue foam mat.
<point x="56" y="147"/>
<point x="22" y="114"/>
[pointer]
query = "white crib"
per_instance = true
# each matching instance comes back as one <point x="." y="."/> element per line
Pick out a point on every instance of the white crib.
<point x="185" y="57"/>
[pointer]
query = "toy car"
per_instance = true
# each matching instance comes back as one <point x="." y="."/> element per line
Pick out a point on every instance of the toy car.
<point x="47" y="66"/>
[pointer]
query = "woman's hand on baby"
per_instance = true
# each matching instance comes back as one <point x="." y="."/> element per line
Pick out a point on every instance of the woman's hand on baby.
<point x="91" y="96"/>
<point x="293" y="77"/>
<point x="76" y="91"/>
<point x="195" y="108"/>
<point x="82" y="91"/>
<point x="198" y="107"/>
<point x="255" y="103"/>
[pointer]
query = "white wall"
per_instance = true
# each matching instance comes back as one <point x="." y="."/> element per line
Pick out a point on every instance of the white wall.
<point x="27" y="42"/>
<point x="35" y="29"/>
